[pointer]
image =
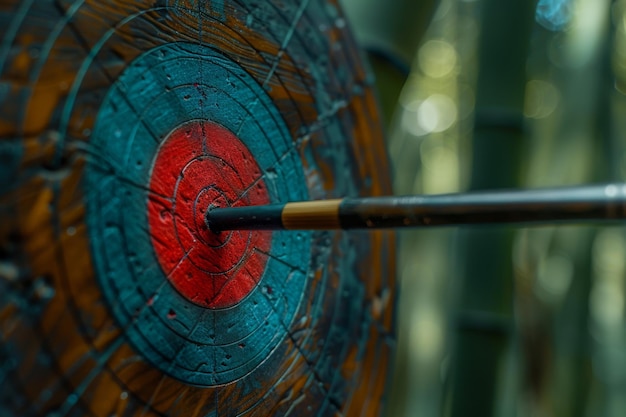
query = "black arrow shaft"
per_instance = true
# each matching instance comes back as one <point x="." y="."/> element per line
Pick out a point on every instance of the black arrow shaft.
<point x="564" y="204"/>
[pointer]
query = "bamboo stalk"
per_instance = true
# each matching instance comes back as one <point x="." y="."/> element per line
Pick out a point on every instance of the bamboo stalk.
<point x="481" y="347"/>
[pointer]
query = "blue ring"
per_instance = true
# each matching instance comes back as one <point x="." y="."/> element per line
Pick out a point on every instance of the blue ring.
<point x="162" y="89"/>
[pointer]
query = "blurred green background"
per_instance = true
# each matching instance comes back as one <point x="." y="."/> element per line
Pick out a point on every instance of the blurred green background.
<point x="486" y="94"/>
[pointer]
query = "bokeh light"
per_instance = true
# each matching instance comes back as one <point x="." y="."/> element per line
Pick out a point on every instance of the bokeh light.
<point x="567" y="353"/>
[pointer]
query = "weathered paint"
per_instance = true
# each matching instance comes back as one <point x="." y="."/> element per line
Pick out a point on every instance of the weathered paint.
<point x="194" y="170"/>
<point x="168" y="135"/>
<point x="89" y="324"/>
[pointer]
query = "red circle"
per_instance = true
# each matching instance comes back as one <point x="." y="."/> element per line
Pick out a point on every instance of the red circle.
<point x="202" y="164"/>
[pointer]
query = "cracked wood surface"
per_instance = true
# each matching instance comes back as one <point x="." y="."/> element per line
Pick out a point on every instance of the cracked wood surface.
<point x="90" y="322"/>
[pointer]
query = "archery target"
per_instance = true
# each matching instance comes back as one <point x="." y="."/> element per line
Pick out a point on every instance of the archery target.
<point x="127" y="121"/>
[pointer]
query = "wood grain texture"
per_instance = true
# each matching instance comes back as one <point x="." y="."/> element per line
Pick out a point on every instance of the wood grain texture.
<point x="78" y="141"/>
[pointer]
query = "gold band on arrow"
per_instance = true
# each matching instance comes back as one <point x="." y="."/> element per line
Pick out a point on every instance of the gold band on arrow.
<point x="311" y="215"/>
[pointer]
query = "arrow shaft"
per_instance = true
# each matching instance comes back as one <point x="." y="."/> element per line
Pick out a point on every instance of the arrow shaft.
<point x="565" y="204"/>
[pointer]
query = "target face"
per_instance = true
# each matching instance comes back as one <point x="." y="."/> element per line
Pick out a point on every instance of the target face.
<point x="121" y="124"/>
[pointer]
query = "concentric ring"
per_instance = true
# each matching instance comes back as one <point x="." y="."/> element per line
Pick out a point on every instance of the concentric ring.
<point x="189" y="175"/>
<point x="135" y="123"/>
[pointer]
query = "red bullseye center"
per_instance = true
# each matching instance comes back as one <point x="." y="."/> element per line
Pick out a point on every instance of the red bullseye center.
<point x="206" y="199"/>
<point x="200" y="165"/>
